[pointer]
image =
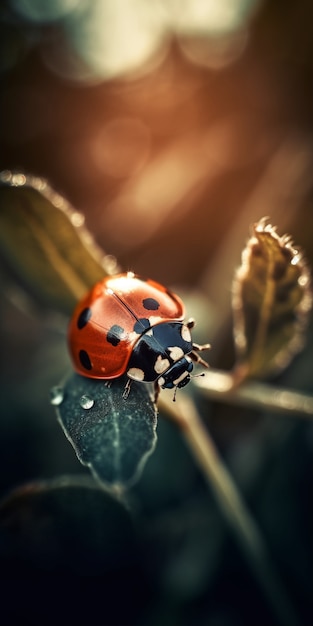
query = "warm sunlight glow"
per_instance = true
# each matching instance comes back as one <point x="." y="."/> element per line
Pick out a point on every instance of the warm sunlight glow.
<point x="109" y="38"/>
<point x="102" y="39"/>
<point x="121" y="148"/>
<point x="160" y="191"/>
<point x="204" y="17"/>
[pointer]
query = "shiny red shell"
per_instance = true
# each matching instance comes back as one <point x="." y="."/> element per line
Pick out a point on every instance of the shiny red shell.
<point x="109" y="320"/>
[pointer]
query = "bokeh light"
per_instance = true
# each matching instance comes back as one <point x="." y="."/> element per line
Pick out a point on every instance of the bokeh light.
<point x="98" y="40"/>
<point x="209" y="17"/>
<point x="45" y="12"/>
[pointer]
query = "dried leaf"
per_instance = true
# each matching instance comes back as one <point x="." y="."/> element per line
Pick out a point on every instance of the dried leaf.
<point x="271" y="302"/>
<point x="112" y="435"/>
<point x="44" y="245"/>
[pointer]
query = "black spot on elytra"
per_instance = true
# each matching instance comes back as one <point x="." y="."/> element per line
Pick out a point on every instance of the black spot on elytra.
<point x="141" y="325"/>
<point x="83" y="318"/>
<point x="150" y="304"/>
<point x="85" y="360"/>
<point x="115" y="334"/>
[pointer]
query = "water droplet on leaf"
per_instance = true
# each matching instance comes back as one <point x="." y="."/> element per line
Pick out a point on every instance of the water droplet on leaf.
<point x="56" y="396"/>
<point x="86" y="402"/>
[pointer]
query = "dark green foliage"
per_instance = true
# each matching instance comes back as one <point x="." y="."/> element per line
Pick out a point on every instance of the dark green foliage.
<point x="70" y="555"/>
<point x="71" y="552"/>
<point x="111" y="434"/>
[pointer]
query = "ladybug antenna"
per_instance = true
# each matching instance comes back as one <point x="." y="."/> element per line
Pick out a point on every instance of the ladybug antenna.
<point x="197" y="375"/>
<point x="191" y="376"/>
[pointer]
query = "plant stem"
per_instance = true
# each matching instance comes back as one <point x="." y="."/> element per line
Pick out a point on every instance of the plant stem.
<point x="184" y="414"/>
<point x="219" y="385"/>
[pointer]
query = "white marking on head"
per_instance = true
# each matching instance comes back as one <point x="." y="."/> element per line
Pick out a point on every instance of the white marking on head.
<point x="180" y="378"/>
<point x="154" y="319"/>
<point x="161" y="365"/>
<point x="176" y="353"/>
<point x="136" y="373"/>
<point x="133" y="336"/>
<point x="185" y="333"/>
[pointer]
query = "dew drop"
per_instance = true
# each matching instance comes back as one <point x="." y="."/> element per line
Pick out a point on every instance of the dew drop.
<point x="86" y="402"/>
<point x="5" y="176"/>
<point x="57" y="200"/>
<point x="303" y="280"/>
<point x="77" y="219"/>
<point x="18" y="180"/>
<point x="56" y="396"/>
<point x="295" y="260"/>
<point x="110" y="263"/>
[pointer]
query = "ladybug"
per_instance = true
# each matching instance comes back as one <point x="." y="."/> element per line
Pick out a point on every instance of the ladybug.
<point x="128" y="325"/>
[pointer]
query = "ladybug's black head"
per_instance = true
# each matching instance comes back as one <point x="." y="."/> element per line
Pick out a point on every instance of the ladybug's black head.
<point x="178" y="375"/>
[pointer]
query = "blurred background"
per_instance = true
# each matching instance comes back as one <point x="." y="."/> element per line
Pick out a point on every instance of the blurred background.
<point x="172" y="125"/>
<point x="164" y="122"/>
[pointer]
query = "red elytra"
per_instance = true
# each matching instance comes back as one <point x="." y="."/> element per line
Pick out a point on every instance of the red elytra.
<point x="110" y="319"/>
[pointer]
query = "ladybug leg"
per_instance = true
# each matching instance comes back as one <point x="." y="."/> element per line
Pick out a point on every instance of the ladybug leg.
<point x="196" y="347"/>
<point x="196" y="357"/>
<point x="190" y="323"/>
<point x="199" y="348"/>
<point x="127" y="389"/>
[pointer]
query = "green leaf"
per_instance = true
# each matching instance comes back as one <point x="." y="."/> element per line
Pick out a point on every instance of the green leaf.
<point x="67" y="523"/>
<point x="111" y="434"/>
<point x="44" y="246"/>
<point x="271" y="302"/>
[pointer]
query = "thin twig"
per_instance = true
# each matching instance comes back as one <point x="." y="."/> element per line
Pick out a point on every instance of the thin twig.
<point x="184" y="414"/>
